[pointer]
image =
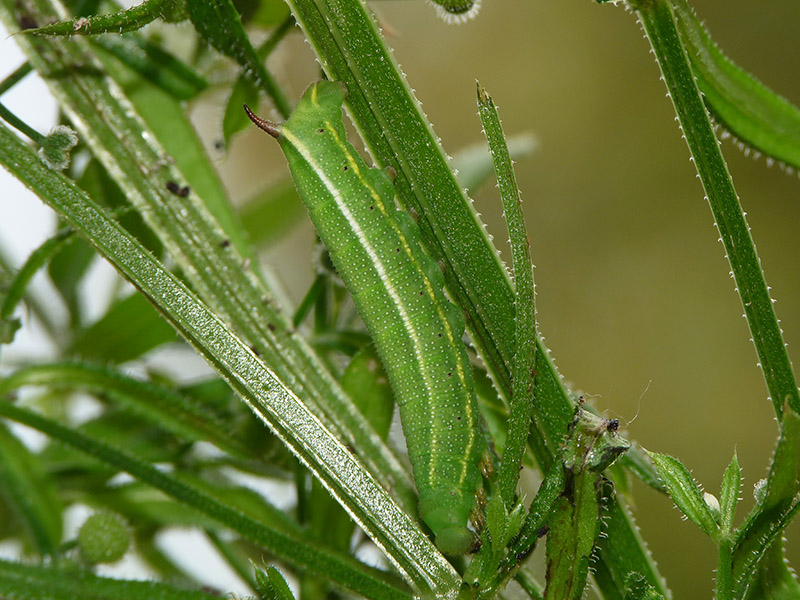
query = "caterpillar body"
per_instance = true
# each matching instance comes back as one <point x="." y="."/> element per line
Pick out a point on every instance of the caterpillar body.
<point x="397" y="289"/>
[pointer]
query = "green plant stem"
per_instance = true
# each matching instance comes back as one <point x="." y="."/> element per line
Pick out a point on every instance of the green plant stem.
<point x="14" y="78"/>
<point x="724" y="587"/>
<point x="21" y="126"/>
<point x="658" y="21"/>
<point x="747" y="108"/>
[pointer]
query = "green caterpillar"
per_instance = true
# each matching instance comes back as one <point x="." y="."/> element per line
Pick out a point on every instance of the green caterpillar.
<point x="398" y="292"/>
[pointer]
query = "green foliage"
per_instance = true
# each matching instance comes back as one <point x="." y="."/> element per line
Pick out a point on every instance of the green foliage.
<point x="131" y="182"/>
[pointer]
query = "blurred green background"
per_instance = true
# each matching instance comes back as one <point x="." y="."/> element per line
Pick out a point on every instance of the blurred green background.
<point x="634" y="296"/>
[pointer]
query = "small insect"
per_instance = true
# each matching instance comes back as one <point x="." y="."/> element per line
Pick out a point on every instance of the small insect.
<point x="397" y="289"/>
<point x="176" y="189"/>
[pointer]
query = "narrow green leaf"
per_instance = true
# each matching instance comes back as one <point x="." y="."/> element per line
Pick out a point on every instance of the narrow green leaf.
<point x="272" y="585"/>
<point x="313" y="298"/>
<point x="218" y="22"/>
<point x="771" y="515"/>
<point x="637" y="462"/>
<point x="659" y="25"/>
<point x="626" y="546"/>
<point x="234" y="120"/>
<point x="474" y="165"/>
<point x="131" y="432"/>
<point x="775" y="579"/>
<point x="784" y="476"/>
<point x="639" y="589"/>
<point x="149" y="509"/>
<point x="534" y="526"/>
<point x="29" y="582"/>
<point x="522" y="394"/>
<point x="30" y="493"/>
<point x="129" y="19"/>
<point x="743" y="105"/>
<point x="291" y="420"/>
<point x="685" y="492"/>
<point x="155" y="65"/>
<point x="163" y="407"/>
<point x="501" y="527"/>
<point x="129" y="328"/>
<point x="244" y="90"/>
<point x="729" y="493"/>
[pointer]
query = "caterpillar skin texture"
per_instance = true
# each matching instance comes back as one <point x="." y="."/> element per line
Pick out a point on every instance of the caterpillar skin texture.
<point x="398" y="292"/>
